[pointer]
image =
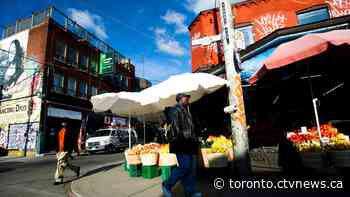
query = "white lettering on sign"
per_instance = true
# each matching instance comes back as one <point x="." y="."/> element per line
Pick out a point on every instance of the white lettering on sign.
<point x="339" y="7"/>
<point x="269" y="22"/>
<point x="196" y="35"/>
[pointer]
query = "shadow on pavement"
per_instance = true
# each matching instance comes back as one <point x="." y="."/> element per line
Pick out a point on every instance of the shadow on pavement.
<point x="104" y="168"/>
<point x="8" y="166"/>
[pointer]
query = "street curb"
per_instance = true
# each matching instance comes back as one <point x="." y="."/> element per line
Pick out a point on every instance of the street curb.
<point x="68" y="187"/>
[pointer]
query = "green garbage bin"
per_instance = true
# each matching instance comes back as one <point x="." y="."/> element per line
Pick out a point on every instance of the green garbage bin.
<point x="134" y="170"/>
<point x="149" y="172"/>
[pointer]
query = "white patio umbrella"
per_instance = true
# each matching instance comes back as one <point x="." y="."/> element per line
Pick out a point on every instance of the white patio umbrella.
<point x="122" y="103"/>
<point x="151" y="102"/>
<point x="162" y="95"/>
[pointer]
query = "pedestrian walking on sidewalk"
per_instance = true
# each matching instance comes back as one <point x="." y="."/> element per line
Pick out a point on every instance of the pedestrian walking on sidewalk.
<point x="183" y="142"/>
<point x="65" y="147"/>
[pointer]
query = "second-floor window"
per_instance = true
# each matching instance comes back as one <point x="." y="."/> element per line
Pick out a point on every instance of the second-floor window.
<point x="60" y="50"/>
<point x="58" y="82"/>
<point x="313" y="16"/>
<point x="248" y="35"/>
<point x="72" y="56"/>
<point x="93" y="65"/>
<point x="72" y="87"/>
<point x="83" y="61"/>
<point x="82" y="89"/>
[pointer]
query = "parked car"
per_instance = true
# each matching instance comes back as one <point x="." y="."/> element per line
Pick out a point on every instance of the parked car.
<point x="110" y="140"/>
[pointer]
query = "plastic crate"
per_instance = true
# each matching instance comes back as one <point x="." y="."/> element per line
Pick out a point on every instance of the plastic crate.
<point x="125" y="166"/>
<point x="149" y="172"/>
<point x="134" y="170"/>
<point x="166" y="171"/>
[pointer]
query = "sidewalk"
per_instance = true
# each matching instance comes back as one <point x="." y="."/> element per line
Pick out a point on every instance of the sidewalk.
<point x="116" y="182"/>
<point x="45" y="156"/>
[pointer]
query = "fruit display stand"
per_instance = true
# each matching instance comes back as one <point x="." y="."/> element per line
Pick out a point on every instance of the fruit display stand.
<point x="339" y="151"/>
<point x="132" y="164"/>
<point x="125" y="166"/>
<point x="340" y="159"/>
<point x="316" y="160"/>
<point x="149" y="165"/>
<point x="334" y="152"/>
<point x="134" y="170"/>
<point x="167" y="162"/>
<point x="139" y="154"/>
<point x="216" y="152"/>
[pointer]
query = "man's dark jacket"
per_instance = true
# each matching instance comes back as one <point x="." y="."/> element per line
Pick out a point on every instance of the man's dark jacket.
<point x="182" y="137"/>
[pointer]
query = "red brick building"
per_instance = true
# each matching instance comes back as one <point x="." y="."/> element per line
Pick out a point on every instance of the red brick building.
<point x="256" y="19"/>
<point x="74" y="65"/>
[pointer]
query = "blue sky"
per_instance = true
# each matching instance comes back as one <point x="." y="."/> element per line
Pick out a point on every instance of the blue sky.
<point x="151" y="30"/>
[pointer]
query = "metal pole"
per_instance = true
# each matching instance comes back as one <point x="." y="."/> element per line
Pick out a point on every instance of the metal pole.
<point x="129" y="124"/>
<point x="29" y="113"/>
<point x="314" y="102"/>
<point x="238" y="119"/>
<point x="144" y="130"/>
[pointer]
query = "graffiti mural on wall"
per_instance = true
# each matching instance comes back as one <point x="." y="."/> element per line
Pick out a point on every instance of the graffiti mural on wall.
<point x="339" y="7"/>
<point x="17" y="137"/>
<point x="3" y="137"/>
<point x="269" y="22"/>
<point x="22" y="87"/>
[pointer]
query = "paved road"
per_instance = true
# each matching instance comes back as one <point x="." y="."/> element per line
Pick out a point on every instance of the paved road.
<point x="34" y="178"/>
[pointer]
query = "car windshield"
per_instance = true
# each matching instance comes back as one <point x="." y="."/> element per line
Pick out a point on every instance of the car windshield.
<point x="101" y="133"/>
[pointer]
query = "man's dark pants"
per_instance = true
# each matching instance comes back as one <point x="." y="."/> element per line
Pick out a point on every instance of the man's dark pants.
<point x="184" y="172"/>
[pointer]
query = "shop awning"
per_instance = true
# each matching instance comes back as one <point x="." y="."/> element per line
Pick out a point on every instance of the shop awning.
<point x="250" y="66"/>
<point x="300" y="49"/>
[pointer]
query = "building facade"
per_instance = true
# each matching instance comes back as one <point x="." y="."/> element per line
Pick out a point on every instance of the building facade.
<point x="51" y="68"/>
<point x="255" y="20"/>
<point x="262" y="26"/>
<point x="141" y="84"/>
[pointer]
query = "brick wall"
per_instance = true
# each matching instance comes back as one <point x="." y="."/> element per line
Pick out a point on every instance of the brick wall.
<point x="265" y="16"/>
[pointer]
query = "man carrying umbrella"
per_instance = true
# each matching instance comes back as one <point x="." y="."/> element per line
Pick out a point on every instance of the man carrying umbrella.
<point x="183" y="142"/>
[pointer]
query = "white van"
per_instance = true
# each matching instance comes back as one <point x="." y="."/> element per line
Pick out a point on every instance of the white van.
<point x="110" y="140"/>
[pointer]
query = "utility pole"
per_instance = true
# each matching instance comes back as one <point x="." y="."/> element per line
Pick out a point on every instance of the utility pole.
<point x="143" y="118"/>
<point x="238" y="119"/>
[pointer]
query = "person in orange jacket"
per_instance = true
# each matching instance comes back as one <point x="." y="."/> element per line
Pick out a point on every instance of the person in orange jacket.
<point x="64" y="155"/>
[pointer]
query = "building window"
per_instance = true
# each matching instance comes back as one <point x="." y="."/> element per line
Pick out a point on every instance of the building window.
<point x="247" y="35"/>
<point x="93" y="91"/>
<point x="82" y="89"/>
<point x="93" y="65"/>
<point x="72" y="87"/>
<point x="58" y="82"/>
<point x="72" y="56"/>
<point x="83" y="61"/>
<point x="126" y="82"/>
<point x="313" y="16"/>
<point x="60" y="50"/>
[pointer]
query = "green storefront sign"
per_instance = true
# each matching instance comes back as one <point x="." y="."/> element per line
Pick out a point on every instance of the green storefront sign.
<point x="106" y="63"/>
